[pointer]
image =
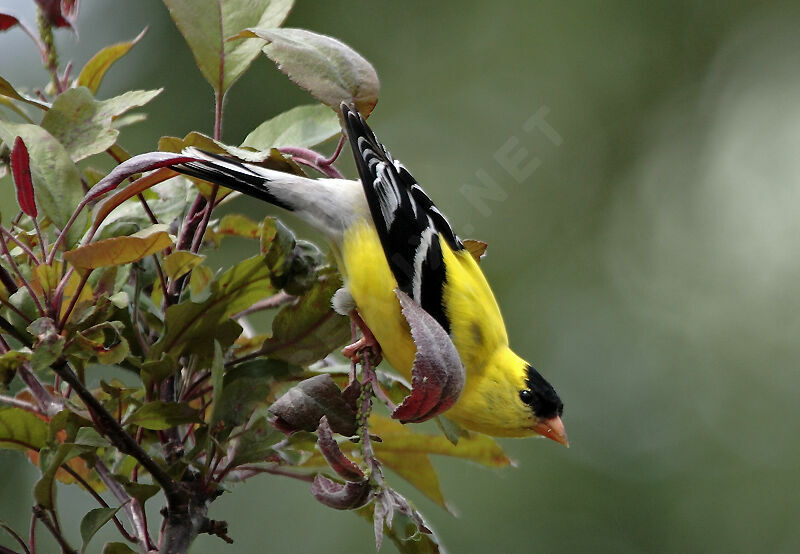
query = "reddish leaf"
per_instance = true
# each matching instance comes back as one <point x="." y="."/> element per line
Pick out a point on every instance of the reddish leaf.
<point x="329" y="448"/>
<point x="7" y="21"/>
<point x="59" y="13"/>
<point x="437" y="375"/>
<point x="21" y="168"/>
<point x="347" y="496"/>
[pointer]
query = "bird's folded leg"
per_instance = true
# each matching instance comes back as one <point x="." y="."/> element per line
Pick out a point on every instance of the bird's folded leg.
<point x="367" y="342"/>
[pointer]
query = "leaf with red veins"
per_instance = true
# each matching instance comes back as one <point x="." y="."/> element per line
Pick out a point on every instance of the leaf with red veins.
<point x="329" y="448"/>
<point x="437" y="376"/>
<point x="340" y="496"/>
<point x="302" y="406"/>
<point x="21" y="169"/>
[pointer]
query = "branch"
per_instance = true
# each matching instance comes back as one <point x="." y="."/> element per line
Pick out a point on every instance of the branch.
<point x="108" y="426"/>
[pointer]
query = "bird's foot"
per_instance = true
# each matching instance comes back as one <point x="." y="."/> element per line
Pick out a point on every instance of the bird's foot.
<point x="366" y="344"/>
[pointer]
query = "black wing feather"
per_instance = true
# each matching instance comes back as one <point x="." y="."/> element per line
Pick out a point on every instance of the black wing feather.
<point x="407" y="221"/>
<point x="233" y="174"/>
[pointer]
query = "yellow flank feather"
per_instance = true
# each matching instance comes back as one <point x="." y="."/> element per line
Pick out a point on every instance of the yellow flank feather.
<point x="495" y="375"/>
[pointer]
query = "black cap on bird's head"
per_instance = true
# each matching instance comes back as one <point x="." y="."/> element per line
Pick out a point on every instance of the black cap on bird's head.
<point x="546" y="406"/>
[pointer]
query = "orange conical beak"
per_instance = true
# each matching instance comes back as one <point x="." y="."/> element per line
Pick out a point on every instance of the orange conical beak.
<point x="553" y="429"/>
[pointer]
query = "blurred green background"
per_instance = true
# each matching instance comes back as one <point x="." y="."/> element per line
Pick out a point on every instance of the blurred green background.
<point x="644" y="252"/>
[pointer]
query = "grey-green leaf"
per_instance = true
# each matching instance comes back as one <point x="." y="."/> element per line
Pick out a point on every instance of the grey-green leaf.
<point x="93" y="521"/>
<point x="83" y="125"/>
<point x="327" y="68"/>
<point x="159" y="415"/>
<point x="302" y="126"/>
<point x="207" y="24"/>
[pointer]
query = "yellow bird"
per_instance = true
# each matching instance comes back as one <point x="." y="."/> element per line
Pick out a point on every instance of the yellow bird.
<point x="387" y="234"/>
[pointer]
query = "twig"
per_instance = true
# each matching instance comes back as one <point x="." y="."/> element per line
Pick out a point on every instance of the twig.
<point x="32" y="534"/>
<point x="100" y="500"/>
<point x="219" y="101"/>
<point x="16" y="270"/>
<point x="17" y="403"/>
<point x="147" y="210"/>
<point x="47" y="403"/>
<point x="16" y="537"/>
<point x="28" y="252"/>
<point x="42" y="242"/>
<point x="200" y="232"/>
<point x="132" y="508"/>
<point x="74" y="299"/>
<point x="315" y="160"/>
<point x="251" y="471"/>
<point x="63" y="234"/>
<point x="6" y="326"/>
<point x="39" y="513"/>
<point x="8" y="281"/>
<point x="268" y="303"/>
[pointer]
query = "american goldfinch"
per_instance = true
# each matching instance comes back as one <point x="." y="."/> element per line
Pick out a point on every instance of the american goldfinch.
<point x="388" y="234"/>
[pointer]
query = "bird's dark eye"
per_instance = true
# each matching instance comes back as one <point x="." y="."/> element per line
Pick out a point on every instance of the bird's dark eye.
<point x="526" y="396"/>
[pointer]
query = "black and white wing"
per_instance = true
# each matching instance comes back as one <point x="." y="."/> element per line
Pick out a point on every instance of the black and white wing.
<point x="407" y="221"/>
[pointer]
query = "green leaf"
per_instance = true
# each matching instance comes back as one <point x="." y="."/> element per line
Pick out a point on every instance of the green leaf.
<point x="243" y="389"/>
<point x="10" y="362"/>
<point x="7" y="90"/>
<point x="117" y="548"/>
<point x="120" y="250"/>
<point x="303" y="126"/>
<point x="21" y="430"/>
<point x="87" y="436"/>
<point x="56" y="180"/>
<point x="83" y="125"/>
<point x="271" y="158"/>
<point x="327" y="68"/>
<point x="48" y="347"/>
<point x="93" y="521"/>
<point x="158" y="370"/>
<point x="206" y="24"/>
<point x="200" y="283"/>
<point x="181" y="262"/>
<point x="159" y="415"/>
<point x="309" y="329"/>
<point x="238" y="288"/>
<point x="95" y="69"/>
<point x="238" y="225"/>
<point x="140" y="491"/>
<point x="255" y="443"/>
